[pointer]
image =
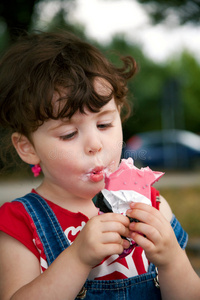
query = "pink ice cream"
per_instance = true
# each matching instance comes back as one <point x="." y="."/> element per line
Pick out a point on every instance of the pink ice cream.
<point x="129" y="184"/>
<point x="129" y="177"/>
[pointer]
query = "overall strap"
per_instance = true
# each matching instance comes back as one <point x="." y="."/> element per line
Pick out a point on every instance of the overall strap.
<point x="155" y="198"/>
<point x="48" y="228"/>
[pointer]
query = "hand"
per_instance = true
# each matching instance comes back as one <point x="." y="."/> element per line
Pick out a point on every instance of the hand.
<point x="153" y="233"/>
<point x="101" y="237"/>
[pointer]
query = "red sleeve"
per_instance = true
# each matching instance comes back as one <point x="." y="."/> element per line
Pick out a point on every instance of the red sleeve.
<point x="154" y="195"/>
<point x="15" y="221"/>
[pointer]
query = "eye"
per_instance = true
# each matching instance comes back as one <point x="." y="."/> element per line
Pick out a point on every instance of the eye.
<point x="104" y="125"/>
<point x="68" y="136"/>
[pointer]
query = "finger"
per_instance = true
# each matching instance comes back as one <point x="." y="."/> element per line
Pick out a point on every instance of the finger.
<point x="111" y="249"/>
<point x="149" y="216"/>
<point x="142" y="241"/>
<point x="117" y="248"/>
<point x="115" y="238"/>
<point x="149" y="232"/>
<point x="145" y="208"/>
<point x="125" y="243"/>
<point x="113" y="226"/>
<point x="111" y="238"/>
<point x="115" y="217"/>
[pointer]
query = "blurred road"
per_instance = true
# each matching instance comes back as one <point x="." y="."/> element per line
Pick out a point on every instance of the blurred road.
<point x="11" y="189"/>
<point x="178" y="179"/>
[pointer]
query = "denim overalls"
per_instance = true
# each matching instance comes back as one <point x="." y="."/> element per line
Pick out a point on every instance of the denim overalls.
<point x="54" y="241"/>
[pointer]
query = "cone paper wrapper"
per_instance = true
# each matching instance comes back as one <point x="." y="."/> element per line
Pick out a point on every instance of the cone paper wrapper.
<point x="120" y="200"/>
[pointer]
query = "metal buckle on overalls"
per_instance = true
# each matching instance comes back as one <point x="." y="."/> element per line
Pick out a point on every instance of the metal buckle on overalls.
<point x="156" y="280"/>
<point x="158" y="199"/>
<point x="82" y="293"/>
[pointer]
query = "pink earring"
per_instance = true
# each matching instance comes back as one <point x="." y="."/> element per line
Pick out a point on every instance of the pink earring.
<point x="36" y="169"/>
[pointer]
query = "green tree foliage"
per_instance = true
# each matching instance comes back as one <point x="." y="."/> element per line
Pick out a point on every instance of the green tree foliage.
<point x="19" y="16"/>
<point x="187" y="69"/>
<point x="145" y="89"/>
<point x="184" y="11"/>
<point x="15" y="16"/>
<point x="148" y="89"/>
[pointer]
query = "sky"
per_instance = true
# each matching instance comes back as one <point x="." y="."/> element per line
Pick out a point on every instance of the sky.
<point x="104" y="18"/>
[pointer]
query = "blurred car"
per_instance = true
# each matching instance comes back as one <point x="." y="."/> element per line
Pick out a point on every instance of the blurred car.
<point x="167" y="149"/>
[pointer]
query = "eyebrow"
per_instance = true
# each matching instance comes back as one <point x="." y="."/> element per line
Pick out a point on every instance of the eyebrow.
<point x="68" y="121"/>
<point x="63" y="123"/>
<point x="105" y="112"/>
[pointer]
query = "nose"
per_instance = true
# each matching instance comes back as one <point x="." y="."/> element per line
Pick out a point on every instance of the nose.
<point x="93" y="144"/>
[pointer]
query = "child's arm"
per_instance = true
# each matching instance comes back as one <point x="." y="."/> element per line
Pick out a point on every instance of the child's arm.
<point x="20" y="271"/>
<point x="176" y="276"/>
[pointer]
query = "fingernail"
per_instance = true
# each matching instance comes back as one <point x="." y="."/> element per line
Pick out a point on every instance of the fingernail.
<point x="128" y="211"/>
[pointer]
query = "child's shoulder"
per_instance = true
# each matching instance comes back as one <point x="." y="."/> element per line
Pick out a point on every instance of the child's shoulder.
<point x="13" y="208"/>
<point x="161" y="203"/>
<point x="16" y="222"/>
<point x="165" y="209"/>
<point x="13" y="217"/>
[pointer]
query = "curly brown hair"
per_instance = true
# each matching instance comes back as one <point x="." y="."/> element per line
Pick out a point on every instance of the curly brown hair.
<point x="39" y="64"/>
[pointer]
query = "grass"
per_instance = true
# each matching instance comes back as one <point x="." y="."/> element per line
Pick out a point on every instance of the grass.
<point x="185" y="204"/>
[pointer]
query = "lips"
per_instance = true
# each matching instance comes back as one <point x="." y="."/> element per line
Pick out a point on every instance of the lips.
<point x="97" y="174"/>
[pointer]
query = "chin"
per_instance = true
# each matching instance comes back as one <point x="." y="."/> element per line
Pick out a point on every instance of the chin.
<point x="96" y="188"/>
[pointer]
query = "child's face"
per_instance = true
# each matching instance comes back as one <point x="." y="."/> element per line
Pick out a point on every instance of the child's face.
<point x="74" y="154"/>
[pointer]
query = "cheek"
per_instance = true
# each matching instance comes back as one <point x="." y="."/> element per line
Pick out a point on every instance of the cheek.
<point x="60" y="156"/>
<point x="59" y="169"/>
<point x="117" y="142"/>
<point x="56" y="152"/>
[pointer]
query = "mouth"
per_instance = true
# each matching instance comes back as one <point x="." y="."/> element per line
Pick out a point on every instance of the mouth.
<point x="97" y="174"/>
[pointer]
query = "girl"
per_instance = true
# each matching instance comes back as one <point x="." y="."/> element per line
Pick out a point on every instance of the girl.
<point x="62" y="102"/>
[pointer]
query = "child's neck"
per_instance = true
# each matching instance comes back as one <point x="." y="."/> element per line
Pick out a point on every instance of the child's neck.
<point x="76" y="204"/>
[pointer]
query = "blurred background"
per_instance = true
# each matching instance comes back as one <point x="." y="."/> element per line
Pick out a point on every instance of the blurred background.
<point x="163" y="130"/>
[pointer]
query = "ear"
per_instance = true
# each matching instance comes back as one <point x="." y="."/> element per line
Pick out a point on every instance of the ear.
<point x="25" y="149"/>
